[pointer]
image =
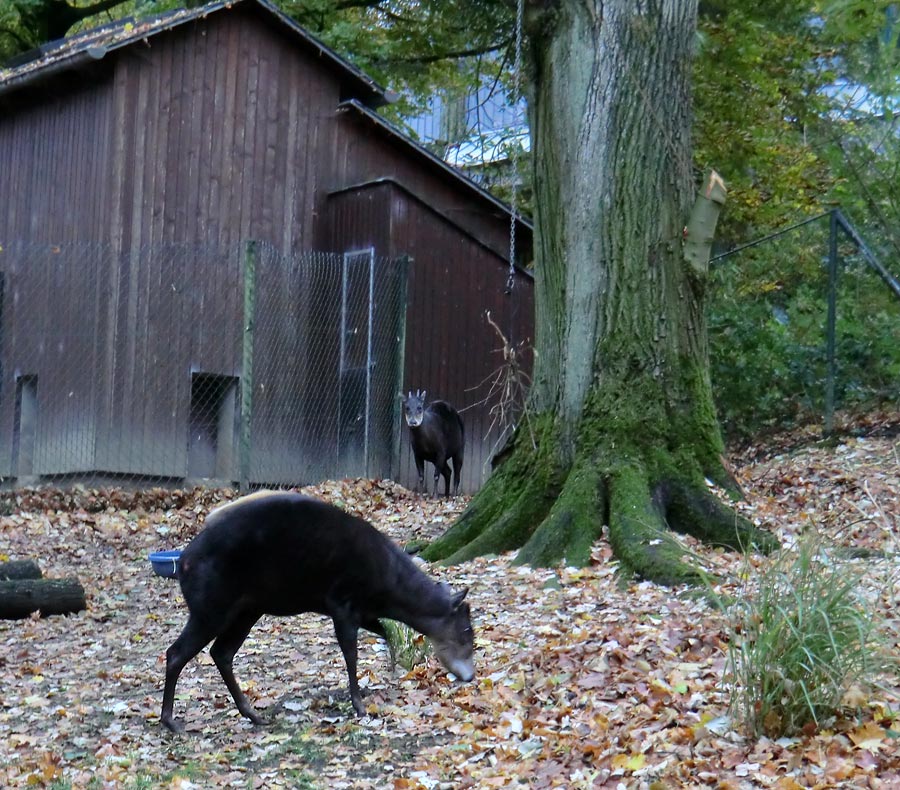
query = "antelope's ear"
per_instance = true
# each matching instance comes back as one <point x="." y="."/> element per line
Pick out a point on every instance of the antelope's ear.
<point x="459" y="597"/>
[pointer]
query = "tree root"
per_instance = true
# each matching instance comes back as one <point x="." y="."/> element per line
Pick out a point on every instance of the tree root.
<point x="514" y="526"/>
<point x="638" y="534"/>
<point x="572" y="525"/>
<point x="695" y="511"/>
<point x="485" y="508"/>
<point x="555" y="514"/>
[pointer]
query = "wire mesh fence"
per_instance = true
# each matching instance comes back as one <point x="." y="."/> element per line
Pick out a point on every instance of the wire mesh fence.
<point x="174" y="364"/>
<point x="246" y="367"/>
<point x="801" y="324"/>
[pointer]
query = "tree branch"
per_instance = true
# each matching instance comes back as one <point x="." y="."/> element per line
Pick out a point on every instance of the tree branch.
<point x="451" y="55"/>
<point x="15" y="36"/>
<point x="52" y="19"/>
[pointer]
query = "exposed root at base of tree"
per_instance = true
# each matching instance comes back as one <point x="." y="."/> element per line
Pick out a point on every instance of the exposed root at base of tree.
<point x="572" y="525"/>
<point x="501" y="517"/>
<point x="638" y="534"/>
<point x="553" y="515"/>
<point x="695" y="511"/>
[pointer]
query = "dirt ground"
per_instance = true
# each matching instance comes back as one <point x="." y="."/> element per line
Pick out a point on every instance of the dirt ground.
<point x="585" y="679"/>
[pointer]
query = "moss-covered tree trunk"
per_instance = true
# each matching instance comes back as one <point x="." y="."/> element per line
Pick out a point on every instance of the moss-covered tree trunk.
<point x="624" y="430"/>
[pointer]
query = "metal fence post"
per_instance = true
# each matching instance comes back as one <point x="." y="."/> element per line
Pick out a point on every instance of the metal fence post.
<point x="251" y="253"/>
<point x="831" y="323"/>
<point x="403" y="265"/>
<point x="370" y="364"/>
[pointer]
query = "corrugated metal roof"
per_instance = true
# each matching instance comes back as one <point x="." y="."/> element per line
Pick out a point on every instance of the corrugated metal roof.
<point x="94" y="44"/>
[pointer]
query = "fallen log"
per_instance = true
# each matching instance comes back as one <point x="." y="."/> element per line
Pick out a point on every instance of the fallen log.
<point x="20" y="597"/>
<point x="19" y="569"/>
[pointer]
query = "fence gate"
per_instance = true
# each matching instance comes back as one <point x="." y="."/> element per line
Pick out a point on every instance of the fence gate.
<point x="356" y="362"/>
<point x="181" y="364"/>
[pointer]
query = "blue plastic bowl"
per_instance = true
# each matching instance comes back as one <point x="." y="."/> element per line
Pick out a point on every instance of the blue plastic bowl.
<point x="165" y="563"/>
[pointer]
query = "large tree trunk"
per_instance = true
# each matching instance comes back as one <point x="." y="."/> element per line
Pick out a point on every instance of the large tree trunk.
<point x="623" y="428"/>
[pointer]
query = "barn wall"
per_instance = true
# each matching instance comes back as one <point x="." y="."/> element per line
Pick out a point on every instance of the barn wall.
<point x="362" y="151"/>
<point x="52" y="187"/>
<point x="166" y="329"/>
<point x="170" y="160"/>
<point x="169" y="154"/>
<point x="451" y="351"/>
<point x="51" y="324"/>
<point x="216" y="135"/>
<point x="218" y="129"/>
<point x="54" y="152"/>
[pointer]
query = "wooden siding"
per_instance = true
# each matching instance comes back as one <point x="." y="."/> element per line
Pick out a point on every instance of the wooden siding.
<point x="208" y="133"/>
<point x="53" y="159"/>
<point x="362" y="151"/>
<point x="170" y="154"/>
<point x="118" y="398"/>
<point x="52" y="324"/>
<point x="451" y="351"/>
<point x="166" y="329"/>
<point x="223" y="133"/>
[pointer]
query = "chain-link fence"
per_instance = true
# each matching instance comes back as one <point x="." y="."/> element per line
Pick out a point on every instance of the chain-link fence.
<point x="173" y="364"/>
<point x="802" y="323"/>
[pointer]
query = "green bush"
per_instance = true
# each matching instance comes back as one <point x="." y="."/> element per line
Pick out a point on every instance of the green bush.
<point x="767" y="311"/>
<point x="802" y="637"/>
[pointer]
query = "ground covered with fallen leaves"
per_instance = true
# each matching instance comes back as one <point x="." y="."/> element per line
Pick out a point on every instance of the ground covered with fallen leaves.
<point x="585" y="679"/>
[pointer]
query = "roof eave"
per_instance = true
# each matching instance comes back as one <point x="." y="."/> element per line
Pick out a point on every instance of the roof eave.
<point x="369" y="90"/>
<point x="436" y="161"/>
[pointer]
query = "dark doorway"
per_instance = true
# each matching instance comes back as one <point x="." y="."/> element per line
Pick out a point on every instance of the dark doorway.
<point x="25" y="425"/>
<point x="211" y="446"/>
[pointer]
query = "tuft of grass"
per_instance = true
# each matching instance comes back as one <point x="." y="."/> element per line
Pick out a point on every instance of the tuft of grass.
<point x="806" y="634"/>
<point x="408" y="648"/>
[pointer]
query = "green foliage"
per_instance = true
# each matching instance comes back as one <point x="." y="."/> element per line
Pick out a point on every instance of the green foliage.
<point x="418" y="48"/>
<point x="25" y="24"/>
<point x="765" y="104"/>
<point x="767" y="321"/>
<point x="800" y="638"/>
<point x="752" y="98"/>
<point x="14" y="36"/>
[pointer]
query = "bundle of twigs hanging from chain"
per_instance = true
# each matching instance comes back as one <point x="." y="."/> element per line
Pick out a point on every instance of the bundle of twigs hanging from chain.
<point x="508" y="391"/>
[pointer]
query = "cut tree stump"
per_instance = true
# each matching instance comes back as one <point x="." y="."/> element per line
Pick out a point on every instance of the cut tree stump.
<point x="20" y="597"/>
<point x="19" y="569"/>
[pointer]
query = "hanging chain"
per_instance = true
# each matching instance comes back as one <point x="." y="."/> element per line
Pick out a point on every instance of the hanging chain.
<point x="517" y="81"/>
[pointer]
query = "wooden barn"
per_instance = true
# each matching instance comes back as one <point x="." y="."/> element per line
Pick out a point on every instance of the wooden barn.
<point x="218" y="261"/>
